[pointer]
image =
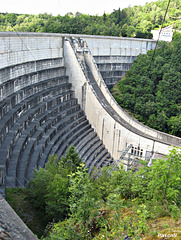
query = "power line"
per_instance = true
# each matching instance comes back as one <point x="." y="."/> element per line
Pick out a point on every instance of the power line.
<point x="25" y="45"/>
<point x="161" y="28"/>
<point x="4" y="57"/>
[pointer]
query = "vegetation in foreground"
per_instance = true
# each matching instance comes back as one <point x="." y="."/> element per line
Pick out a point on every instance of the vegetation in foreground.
<point x="136" y="22"/>
<point x="145" y="204"/>
<point x="151" y="88"/>
<point x="19" y="200"/>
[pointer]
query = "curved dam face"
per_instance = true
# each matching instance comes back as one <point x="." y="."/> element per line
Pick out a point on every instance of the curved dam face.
<point x="120" y="133"/>
<point x="52" y="94"/>
<point x="114" y="55"/>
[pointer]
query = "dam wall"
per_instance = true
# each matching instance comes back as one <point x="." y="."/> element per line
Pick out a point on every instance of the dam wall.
<point x="16" y="48"/>
<point x="114" y="55"/>
<point x="23" y="54"/>
<point x="114" y="127"/>
<point x="39" y="112"/>
<point x="11" y="226"/>
<point x="53" y="94"/>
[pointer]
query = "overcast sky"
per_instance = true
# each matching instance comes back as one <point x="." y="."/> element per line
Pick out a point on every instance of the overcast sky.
<point x="55" y="7"/>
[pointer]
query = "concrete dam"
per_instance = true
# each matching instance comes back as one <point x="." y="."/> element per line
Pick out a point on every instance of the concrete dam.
<point x="54" y="91"/>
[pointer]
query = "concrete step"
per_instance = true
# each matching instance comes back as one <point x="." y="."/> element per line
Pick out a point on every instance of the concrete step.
<point x="87" y="146"/>
<point x="99" y="157"/>
<point x="20" y="109"/>
<point x="85" y="141"/>
<point x="31" y="159"/>
<point x="94" y="157"/>
<point x="104" y="161"/>
<point x="95" y="144"/>
<point x="27" y="123"/>
<point x="55" y="141"/>
<point x="81" y="138"/>
<point x="74" y="137"/>
<point x="63" y="144"/>
<point x="29" y="139"/>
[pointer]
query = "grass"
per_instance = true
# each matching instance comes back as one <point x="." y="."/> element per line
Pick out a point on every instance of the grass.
<point x="164" y="228"/>
<point x="129" y="223"/>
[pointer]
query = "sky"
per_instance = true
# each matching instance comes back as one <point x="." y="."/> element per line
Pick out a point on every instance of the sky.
<point x="55" y="7"/>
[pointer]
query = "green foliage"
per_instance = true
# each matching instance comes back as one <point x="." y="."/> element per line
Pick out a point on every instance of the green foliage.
<point x="165" y="183"/>
<point x="119" y="203"/>
<point x="18" y="199"/>
<point x="65" y="230"/>
<point x="37" y="188"/>
<point x="113" y="204"/>
<point x="116" y="204"/>
<point x="82" y="197"/>
<point x="56" y="198"/>
<point x="151" y="88"/>
<point x="49" y="189"/>
<point x="71" y="161"/>
<point x="101" y="183"/>
<point x="129" y="22"/>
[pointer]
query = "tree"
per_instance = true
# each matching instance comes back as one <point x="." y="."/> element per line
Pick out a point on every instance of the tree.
<point x="49" y="189"/>
<point x="82" y="198"/>
<point x="131" y="199"/>
<point x="104" y="17"/>
<point x="130" y="32"/>
<point x="151" y="88"/>
<point x="165" y="179"/>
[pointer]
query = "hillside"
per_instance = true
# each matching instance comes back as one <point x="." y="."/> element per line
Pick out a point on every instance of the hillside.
<point x="129" y="22"/>
<point x="151" y="89"/>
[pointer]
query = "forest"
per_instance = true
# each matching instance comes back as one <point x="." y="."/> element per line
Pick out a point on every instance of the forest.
<point x="110" y="204"/>
<point x="151" y="89"/>
<point x="136" y="22"/>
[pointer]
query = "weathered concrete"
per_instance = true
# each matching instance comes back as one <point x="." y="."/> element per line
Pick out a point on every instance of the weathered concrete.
<point x="116" y="128"/>
<point x="39" y="114"/>
<point x="114" y="56"/>
<point x="16" y="48"/>
<point x="11" y="226"/>
<point x="27" y="54"/>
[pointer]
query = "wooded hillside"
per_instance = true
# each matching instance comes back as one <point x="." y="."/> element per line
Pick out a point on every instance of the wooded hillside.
<point x="129" y="22"/>
<point x="151" y="89"/>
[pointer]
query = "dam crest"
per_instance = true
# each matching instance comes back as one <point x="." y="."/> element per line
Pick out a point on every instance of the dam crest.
<point x="54" y="92"/>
